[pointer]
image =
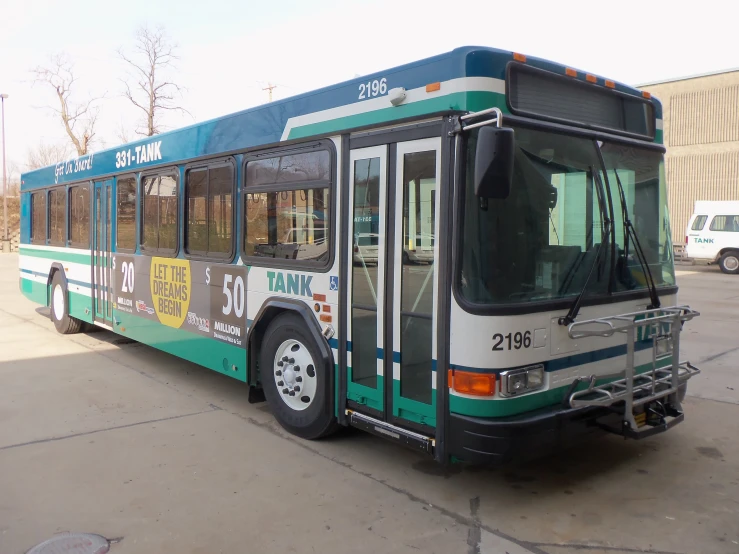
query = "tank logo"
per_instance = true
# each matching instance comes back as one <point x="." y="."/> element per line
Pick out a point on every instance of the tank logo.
<point x="290" y="283"/>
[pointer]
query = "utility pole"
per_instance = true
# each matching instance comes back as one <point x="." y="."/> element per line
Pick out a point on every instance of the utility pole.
<point x="6" y="239"/>
<point x="269" y="87"/>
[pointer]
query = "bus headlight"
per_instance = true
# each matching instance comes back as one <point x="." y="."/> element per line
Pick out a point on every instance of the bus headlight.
<point x="521" y="380"/>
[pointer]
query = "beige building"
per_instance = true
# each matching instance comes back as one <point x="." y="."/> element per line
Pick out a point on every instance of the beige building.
<point x="701" y="133"/>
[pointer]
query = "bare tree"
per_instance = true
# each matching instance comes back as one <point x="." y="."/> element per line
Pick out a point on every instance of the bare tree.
<point x="122" y="134"/>
<point x="79" y="119"/>
<point x="46" y="154"/>
<point x="154" y="56"/>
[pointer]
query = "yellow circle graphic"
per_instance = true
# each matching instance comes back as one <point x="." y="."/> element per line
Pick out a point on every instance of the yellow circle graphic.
<point x="170" y="289"/>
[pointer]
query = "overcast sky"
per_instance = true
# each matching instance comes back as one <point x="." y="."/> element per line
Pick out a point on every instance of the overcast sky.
<point x="231" y="49"/>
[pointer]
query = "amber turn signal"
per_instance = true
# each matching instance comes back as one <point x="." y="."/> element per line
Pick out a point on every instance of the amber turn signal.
<point x="477" y="384"/>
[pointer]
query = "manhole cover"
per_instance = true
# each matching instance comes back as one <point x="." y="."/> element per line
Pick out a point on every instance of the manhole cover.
<point x="73" y="543"/>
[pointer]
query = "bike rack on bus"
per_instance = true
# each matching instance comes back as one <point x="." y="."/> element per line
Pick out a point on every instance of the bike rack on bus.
<point x="663" y="325"/>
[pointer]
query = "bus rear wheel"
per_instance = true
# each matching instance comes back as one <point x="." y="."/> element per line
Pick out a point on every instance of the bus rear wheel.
<point x="64" y="323"/>
<point x="295" y="380"/>
<point x="729" y="262"/>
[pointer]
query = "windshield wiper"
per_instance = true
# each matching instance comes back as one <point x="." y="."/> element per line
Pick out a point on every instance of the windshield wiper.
<point x="630" y="230"/>
<point x="575" y="307"/>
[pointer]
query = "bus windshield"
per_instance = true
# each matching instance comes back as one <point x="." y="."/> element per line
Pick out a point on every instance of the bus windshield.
<point x="541" y="242"/>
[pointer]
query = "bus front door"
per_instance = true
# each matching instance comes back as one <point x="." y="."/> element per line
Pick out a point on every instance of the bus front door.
<point x="101" y="241"/>
<point x="392" y="283"/>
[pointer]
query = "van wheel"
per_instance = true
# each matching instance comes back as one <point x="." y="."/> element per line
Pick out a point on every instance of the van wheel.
<point x="296" y="382"/>
<point x="729" y="262"/>
<point x="64" y="323"/>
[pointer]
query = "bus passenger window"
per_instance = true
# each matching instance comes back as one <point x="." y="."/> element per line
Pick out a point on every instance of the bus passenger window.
<point x="38" y="218"/>
<point x="209" y="206"/>
<point x="57" y="221"/>
<point x="288" y="207"/>
<point x="159" y="221"/>
<point x="126" y="214"/>
<point x="79" y="216"/>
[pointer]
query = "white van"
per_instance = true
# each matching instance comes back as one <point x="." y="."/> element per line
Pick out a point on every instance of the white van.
<point x="713" y="234"/>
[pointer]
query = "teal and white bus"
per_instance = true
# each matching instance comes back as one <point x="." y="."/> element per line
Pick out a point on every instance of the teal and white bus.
<point x="469" y="255"/>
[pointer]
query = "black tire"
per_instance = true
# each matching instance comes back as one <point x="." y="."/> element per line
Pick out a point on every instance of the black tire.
<point x="59" y="312"/>
<point x="729" y="262"/>
<point x="317" y="419"/>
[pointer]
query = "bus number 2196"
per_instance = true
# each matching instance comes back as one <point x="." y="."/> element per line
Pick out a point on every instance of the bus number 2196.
<point x="370" y="89"/>
<point x="512" y="340"/>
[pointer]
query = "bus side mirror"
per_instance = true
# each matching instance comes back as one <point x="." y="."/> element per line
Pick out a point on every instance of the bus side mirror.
<point x="494" y="162"/>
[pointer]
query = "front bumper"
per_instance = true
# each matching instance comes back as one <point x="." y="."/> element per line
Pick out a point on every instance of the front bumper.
<point x="524" y="437"/>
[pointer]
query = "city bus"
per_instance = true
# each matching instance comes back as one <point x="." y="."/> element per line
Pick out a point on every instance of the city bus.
<point x="519" y="289"/>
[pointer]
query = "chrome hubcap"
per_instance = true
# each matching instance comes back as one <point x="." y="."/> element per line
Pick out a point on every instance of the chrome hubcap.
<point x="295" y="375"/>
<point x="731" y="263"/>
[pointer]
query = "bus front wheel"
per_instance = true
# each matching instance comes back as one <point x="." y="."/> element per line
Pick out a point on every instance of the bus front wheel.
<point x="64" y="323"/>
<point x="295" y="380"/>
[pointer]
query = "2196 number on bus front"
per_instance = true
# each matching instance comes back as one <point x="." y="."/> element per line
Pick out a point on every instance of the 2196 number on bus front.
<point x="511" y="341"/>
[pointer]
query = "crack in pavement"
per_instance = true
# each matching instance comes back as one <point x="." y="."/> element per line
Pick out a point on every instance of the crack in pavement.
<point x="213" y="408"/>
<point x="715" y="356"/>
<point x="474" y="535"/>
<point x="585" y="547"/>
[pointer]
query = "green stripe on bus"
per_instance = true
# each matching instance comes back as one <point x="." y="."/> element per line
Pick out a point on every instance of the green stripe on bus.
<point x="80" y="306"/>
<point x="70" y="256"/>
<point x="514" y="406"/>
<point x="205" y="351"/>
<point x="463" y="101"/>
<point x="368" y="396"/>
<point x="34" y="291"/>
<point x="413" y="410"/>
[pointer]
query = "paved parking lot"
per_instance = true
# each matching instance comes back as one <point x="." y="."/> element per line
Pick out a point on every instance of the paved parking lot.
<point x="105" y="436"/>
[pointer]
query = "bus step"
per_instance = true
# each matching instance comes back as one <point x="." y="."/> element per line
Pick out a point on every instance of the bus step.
<point x="402" y="436"/>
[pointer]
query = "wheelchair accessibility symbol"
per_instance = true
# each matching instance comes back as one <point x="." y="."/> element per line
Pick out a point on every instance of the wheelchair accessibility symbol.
<point x="334" y="283"/>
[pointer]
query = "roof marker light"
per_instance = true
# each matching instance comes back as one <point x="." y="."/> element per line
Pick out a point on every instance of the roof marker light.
<point x="571" y="72"/>
<point x="591" y="78"/>
<point x="646" y="94"/>
<point x="519" y="57"/>
<point x="610" y="84"/>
